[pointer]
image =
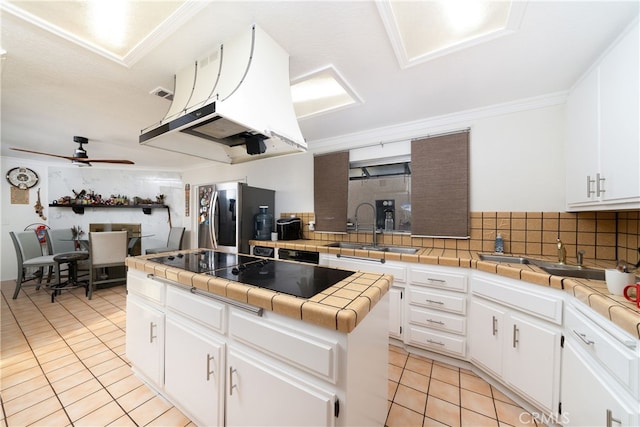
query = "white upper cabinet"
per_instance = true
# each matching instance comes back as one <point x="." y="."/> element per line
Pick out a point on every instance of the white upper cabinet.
<point x="603" y="137"/>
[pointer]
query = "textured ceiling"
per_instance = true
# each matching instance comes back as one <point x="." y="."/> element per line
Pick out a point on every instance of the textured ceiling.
<point x="54" y="88"/>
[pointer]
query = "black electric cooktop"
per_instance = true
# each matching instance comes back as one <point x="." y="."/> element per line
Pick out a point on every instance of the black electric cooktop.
<point x="298" y="279"/>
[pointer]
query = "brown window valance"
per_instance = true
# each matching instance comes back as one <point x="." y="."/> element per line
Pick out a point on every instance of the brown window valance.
<point x="440" y="185"/>
<point x="330" y="191"/>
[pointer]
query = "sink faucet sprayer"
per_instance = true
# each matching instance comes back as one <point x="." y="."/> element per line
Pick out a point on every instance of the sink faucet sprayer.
<point x="562" y="252"/>
<point x="373" y="225"/>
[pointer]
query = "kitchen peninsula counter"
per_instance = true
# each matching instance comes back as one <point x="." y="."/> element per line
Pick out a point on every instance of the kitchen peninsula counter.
<point x="340" y="307"/>
<point x="593" y="293"/>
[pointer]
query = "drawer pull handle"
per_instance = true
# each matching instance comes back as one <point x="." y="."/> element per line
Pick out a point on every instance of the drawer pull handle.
<point x="439" y="322"/>
<point x="152" y="326"/>
<point x="515" y="336"/>
<point x="583" y="338"/>
<point x="434" y="302"/>
<point x="495" y="325"/>
<point x="431" y="279"/>
<point x="611" y="420"/>
<point x="430" y="341"/>
<point x="231" y="384"/>
<point x="209" y="371"/>
<point x="589" y="190"/>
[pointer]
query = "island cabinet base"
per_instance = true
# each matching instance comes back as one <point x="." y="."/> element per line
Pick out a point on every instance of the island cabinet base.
<point x="230" y="364"/>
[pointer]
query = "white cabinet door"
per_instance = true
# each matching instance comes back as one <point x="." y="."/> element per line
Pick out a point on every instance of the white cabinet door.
<point x="533" y="361"/>
<point x="145" y="339"/>
<point x="486" y="329"/>
<point x="582" y="141"/>
<point x="195" y="371"/>
<point x="588" y="399"/>
<point x="620" y="113"/>
<point x="395" y="312"/>
<point x="260" y="395"/>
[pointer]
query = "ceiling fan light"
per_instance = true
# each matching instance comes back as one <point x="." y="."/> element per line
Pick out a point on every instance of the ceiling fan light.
<point x="80" y="163"/>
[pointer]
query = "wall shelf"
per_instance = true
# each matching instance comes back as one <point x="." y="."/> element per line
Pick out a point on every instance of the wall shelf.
<point x="79" y="209"/>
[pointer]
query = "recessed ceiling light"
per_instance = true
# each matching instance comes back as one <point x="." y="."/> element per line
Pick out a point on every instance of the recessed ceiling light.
<point x="321" y="92"/>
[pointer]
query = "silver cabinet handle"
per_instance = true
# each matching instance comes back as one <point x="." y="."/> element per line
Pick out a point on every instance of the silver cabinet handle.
<point x="495" y="325"/>
<point x="152" y="326"/>
<point x="430" y="341"/>
<point x="231" y="384"/>
<point x="515" y="335"/>
<point x="589" y="182"/>
<point x="431" y="279"/>
<point x="439" y="322"/>
<point x="434" y="302"/>
<point x="611" y="420"/>
<point x="599" y="185"/>
<point x="209" y="371"/>
<point x="584" y="338"/>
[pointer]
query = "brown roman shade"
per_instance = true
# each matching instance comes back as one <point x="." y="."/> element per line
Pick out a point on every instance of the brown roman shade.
<point x="440" y="185"/>
<point x="330" y="191"/>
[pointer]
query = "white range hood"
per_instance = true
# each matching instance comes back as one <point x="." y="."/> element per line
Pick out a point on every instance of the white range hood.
<point x="233" y="105"/>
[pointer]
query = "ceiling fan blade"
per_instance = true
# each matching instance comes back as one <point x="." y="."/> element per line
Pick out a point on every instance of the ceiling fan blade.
<point x="44" y="154"/>
<point x="123" y="162"/>
<point x="79" y="159"/>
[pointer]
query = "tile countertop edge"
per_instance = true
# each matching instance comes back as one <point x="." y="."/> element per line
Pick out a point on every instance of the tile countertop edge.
<point x="329" y="309"/>
<point x="592" y="293"/>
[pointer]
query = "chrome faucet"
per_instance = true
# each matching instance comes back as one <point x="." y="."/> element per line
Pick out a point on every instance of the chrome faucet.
<point x="373" y="225"/>
<point x="562" y="252"/>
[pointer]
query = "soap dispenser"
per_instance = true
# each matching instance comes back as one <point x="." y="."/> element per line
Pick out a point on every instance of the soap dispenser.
<point x="499" y="244"/>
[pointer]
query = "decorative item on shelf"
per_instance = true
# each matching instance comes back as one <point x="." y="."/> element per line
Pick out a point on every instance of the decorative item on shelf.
<point x="160" y="199"/>
<point x="39" y="208"/>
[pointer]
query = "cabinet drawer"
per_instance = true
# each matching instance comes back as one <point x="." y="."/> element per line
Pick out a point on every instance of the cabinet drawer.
<point x="308" y="352"/>
<point x="198" y="308"/>
<point x="147" y="288"/>
<point x="437" y="341"/>
<point x="521" y="296"/>
<point x="437" y="320"/>
<point x="439" y="279"/>
<point x="438" y="300"/>
<point x="611" y="354"/>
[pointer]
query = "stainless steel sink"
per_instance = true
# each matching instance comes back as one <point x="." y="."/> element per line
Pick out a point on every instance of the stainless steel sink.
<point x="402" y="250"/>
<point x="504" y="258"/>
<point x="345" y="245"/>
<point x="573" y="271"/>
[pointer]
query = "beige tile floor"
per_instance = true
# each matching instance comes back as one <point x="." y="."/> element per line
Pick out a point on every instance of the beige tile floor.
<point x="64" y="363"/>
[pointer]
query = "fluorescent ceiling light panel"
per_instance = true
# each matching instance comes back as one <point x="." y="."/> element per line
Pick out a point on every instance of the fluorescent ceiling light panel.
<point x="321" y="92"/>
<point x="424" y="30"/>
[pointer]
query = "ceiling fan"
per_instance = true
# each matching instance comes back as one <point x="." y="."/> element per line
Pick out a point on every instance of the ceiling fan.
<point x="79" y="157"/>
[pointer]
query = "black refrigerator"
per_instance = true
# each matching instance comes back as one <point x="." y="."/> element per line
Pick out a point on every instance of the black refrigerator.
<point x="226" y="215"/>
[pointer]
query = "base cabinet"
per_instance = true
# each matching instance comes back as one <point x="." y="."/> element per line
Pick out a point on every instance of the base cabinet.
<point x="587" y="397"/>
<point x="145" y="339"/>
<point x="260" y="395"/>
<point x="521" y="349"/>
<point x="223" y="362"/>
<point x="396" y="296"/>
<point x="195" y="371"/>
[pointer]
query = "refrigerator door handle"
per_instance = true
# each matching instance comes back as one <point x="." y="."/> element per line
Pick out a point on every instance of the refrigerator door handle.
<point x="212" y="221"/>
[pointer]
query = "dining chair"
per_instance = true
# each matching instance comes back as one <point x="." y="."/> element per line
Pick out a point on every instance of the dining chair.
<point x="106" y="249"/>
<point x="174" y="242"/>
<point x="31" y="261"/>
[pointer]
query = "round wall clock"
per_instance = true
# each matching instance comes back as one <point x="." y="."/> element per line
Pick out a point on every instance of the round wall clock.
<point x="22" y="178"/>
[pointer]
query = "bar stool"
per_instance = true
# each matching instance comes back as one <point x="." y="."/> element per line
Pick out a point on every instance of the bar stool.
<point x="70" y="258"/>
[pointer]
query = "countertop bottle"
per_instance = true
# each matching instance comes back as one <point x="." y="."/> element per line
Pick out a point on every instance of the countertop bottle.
<point x="388" y="222"/>
<point x="499" y="244"/>
<point x="263" y="224"/>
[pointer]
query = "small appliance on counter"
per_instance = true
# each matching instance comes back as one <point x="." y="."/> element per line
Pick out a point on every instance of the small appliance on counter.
<point x="385" y="214"/>
<point x="289" y="228"/>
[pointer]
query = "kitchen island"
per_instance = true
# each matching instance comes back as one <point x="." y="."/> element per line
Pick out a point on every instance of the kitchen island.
<point x="229" y="353"/>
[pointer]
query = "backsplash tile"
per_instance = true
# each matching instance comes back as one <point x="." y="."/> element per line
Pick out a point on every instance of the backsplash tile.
<point x="605" y="236"/>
